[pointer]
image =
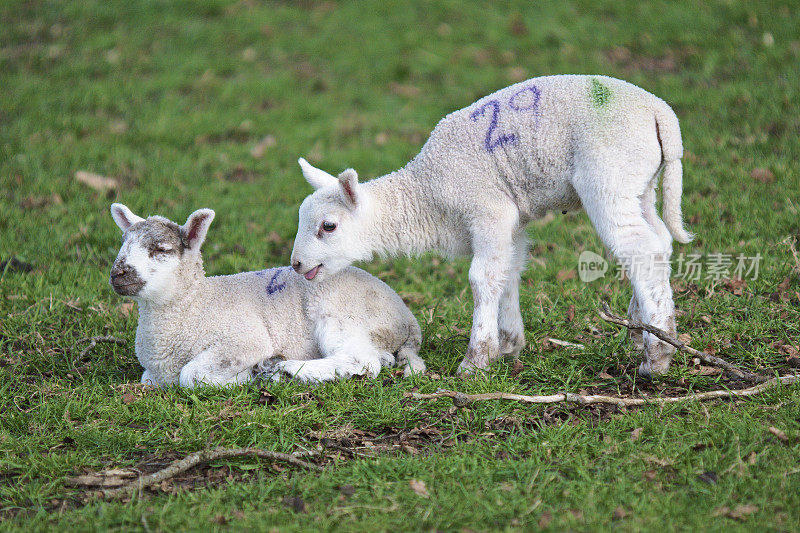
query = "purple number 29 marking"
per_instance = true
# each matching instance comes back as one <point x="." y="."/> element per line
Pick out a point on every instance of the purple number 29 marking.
<point x="501" y="139"/>
<point x="489" y="143"/>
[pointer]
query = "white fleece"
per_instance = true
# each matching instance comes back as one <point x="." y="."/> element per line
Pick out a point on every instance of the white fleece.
<point x="213" y="330"/>
<point x="549" y="143"/>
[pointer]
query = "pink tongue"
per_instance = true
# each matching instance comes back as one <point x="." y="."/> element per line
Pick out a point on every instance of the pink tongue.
<point x="311" y="273"/>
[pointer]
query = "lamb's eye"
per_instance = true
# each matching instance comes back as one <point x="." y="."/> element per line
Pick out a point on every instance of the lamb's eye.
<point x="328" y="226"/>
<point x="160" y="249"/>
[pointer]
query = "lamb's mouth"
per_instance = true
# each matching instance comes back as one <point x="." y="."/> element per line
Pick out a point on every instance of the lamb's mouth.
<point x="127" y="289"/>
<point x="311" y="274"/>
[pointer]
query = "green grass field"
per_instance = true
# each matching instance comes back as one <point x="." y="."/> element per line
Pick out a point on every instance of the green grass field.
<point x="209" y="104"/>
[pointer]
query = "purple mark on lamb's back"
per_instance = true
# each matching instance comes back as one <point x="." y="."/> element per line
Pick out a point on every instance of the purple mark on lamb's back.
<point x="514" y="104"/>
<point x="535" y="92"/>
<point x="488" y="143"/>
<point x="273" y="286"/>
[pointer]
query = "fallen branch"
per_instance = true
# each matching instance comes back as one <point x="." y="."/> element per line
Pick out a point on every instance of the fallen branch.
<point x="607" y="315"/>
<point x="94" y="341"/>
<point x="461" y="399"/>
<point x="196" y="458"/>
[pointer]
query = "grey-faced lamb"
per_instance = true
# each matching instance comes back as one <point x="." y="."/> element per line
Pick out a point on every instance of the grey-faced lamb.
<point x="549" y="143"/>
<point x="197" y="330"/>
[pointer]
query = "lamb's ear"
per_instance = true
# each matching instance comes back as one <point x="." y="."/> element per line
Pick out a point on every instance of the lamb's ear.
<point x="351" y="190"/>
<point x="315" y="177"/>
<point x="196" y="227"/>
<point x="123" y="216"/>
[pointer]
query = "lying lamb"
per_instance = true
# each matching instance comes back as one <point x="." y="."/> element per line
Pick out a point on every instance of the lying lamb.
<point x="550" y="143"/>
<point x="197" y="330"/>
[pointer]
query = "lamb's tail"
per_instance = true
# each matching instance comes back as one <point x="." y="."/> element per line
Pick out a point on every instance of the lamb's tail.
<point x="669" y="135"/>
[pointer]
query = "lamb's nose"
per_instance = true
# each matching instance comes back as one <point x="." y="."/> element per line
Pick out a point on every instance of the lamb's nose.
<point x="297" y="265"/>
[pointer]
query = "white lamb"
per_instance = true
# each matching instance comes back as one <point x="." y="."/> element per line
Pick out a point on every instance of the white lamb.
<point x="196" y="330"/>
<point x="549" y="143"/>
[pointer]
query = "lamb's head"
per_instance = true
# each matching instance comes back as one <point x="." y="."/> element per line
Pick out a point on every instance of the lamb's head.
<point x="155" y="252"/>
<point x="330" y="233"/>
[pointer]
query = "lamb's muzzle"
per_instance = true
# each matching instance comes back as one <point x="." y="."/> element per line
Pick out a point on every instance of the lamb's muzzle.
<point x="125" y="280"/>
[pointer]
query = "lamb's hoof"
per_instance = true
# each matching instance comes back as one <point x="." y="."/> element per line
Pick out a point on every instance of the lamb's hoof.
<point x="657" y="357"/>
<point x="414" y="370"/>
<point x="648" y="369"/>
<point x="637" y="338"/>
<point x="470" y="366"/>
<point x="268" y="370"/>
<point x="511" y="344"/>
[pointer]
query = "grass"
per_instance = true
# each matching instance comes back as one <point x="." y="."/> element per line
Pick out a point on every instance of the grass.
<point x="169" y="99"/>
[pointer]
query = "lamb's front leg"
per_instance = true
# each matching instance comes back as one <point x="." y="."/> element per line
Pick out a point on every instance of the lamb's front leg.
<point x="491" y="265"/>
<point x="148" y="379"/>
<point x="222" y="367"/>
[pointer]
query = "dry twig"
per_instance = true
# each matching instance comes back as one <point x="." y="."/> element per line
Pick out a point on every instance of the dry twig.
<point x="566" y="344"/>
<point x="461" y="399"/>
<point x="94" y="341"/>
<point x="790" y="242"/>
<point x="203" y="456"/>
<point x="607" y="315"/>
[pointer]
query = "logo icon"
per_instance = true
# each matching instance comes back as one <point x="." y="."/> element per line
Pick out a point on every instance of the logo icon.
<point x="591" y="266"/>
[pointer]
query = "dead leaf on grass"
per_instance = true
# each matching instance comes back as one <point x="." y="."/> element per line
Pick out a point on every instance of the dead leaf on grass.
<point x="419" y="488"/>
<point x="128" y="398"/>
<point x="96" y="181"/>
<point x="518" y="367"/>
<point x="545" y="520"/>
<point x="566" y="274"/>
<point x="34" y="202"/>
<point x="260" y="149"/>
<point x="763" y="175"/>
<point x="404" y="90"/>
<point x="739" y="513"/>
<point x="735" y="285"/>
<point x="779" y="434"/>
<point x="636" y="433"/>
<point x="652" y="459"/>
<point x="705" y="371"/>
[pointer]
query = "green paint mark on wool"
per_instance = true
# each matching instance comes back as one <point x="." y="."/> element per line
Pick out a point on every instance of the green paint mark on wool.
<point x="599" y="93"/>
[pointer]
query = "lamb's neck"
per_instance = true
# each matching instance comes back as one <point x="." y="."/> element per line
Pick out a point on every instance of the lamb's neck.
<point x="401" y="214"/>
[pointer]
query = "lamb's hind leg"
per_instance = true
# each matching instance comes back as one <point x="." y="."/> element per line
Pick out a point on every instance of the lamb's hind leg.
<point x="492" y="248"/>
<point x="623" y="228"/>
<point x="634" y="334"/>
<point x="510" y="326"/>
<point x="346" y="352"/>
<point x="648" y="205"/>
<point x="211" y="367"/>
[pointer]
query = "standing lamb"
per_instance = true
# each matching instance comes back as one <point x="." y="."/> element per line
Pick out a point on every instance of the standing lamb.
<point x="196" y="330"/>
<point x="549" y="143"/>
